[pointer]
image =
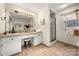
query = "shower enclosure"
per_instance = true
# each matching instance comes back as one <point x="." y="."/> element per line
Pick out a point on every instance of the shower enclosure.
<point x="52" y="26"/>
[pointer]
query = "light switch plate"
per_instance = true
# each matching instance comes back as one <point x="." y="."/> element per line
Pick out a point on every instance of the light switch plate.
<point x="77" y="44"/>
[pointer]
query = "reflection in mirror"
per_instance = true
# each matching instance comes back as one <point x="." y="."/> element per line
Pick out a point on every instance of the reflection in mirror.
<point x="20" y="23"/>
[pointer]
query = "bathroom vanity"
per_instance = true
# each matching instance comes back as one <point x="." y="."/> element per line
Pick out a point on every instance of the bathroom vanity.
<point x="12" y="43"/>
<point x="18" y="24"/>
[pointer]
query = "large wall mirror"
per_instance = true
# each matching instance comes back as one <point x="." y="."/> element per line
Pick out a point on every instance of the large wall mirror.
<point x="18" y="20"/>
<point x="20" y="23"/>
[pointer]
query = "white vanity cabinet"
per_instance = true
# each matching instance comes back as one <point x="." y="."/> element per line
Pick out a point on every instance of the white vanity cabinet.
<point x="0" y="47"/>
<point x="0" y="50"/>
<point x="10" y="46"/>
<point x="37" y="39"/>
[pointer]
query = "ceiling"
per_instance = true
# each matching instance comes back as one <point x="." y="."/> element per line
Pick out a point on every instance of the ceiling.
<point x="36" y="7"/>
<point x="61" y="6"/>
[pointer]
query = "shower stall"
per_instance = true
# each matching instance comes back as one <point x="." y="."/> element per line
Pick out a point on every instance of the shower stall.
<point x="52" y="26"/>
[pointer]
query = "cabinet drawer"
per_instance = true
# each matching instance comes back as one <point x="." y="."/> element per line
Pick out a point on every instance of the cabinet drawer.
<point x="10" y="39"/>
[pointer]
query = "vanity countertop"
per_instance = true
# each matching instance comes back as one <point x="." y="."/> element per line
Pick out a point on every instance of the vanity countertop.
<point x="17" y="34"/>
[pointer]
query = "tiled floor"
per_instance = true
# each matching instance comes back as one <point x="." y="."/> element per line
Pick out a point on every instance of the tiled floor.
<point x="57" y="49"/>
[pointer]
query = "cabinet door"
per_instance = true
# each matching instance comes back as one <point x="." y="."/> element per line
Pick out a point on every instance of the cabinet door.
<point x="11" y="46"/>
<point x="37" y="39"/>
<point x="17" y="45"/>
<point x="0" y="49"/>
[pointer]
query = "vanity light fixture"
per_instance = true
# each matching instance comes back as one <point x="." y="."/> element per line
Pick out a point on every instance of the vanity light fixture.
<point x="24" y="12"/>
<point x="4" y="17"/>
<point x="16" y="11"/>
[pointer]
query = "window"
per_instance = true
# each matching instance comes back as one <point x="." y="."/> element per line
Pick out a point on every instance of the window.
<point x="70" y="20"/>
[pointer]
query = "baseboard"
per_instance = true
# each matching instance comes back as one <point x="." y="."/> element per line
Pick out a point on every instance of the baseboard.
<point x="67" y="43"/>
<point x="51" y="43"/>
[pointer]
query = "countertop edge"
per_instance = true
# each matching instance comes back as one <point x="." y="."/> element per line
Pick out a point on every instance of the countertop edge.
<point x="17" y="34"/>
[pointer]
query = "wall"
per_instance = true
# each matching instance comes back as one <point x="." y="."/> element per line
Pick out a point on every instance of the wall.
<point x="2" y="15"/>
<point x="61" y="34"/>
<point x="45" y="14"/>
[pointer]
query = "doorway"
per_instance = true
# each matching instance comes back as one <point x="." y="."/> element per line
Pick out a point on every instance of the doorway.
<point x="52" y="26"/>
